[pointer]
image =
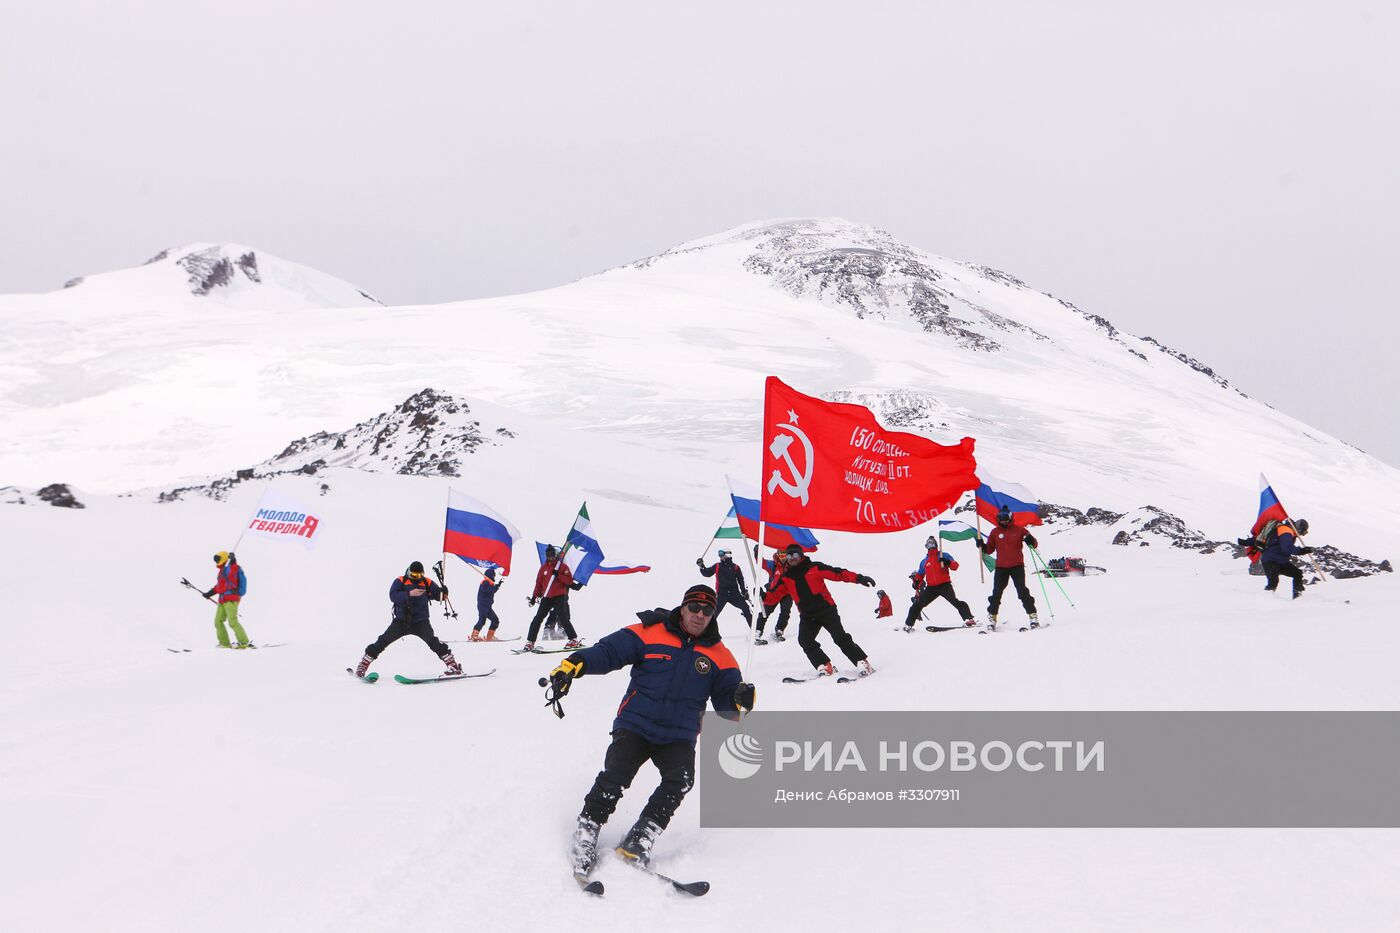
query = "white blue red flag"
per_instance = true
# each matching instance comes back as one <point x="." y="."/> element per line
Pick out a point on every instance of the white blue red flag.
<point x="476" y="533"/>
<point x="1270" y="509"/>
<point x="746" y="506"/>
<point x="994" y="495"/>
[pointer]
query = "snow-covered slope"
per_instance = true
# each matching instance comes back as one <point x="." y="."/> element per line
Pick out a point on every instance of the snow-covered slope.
<point x="671" y="352"/>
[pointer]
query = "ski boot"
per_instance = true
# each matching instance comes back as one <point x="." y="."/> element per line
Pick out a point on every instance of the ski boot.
<point x="1297" y="591"/>
<point x="779" y="636"/>
<point x="453" y="668"/>
<point x="826" y="670"/>
<point x="529" y="646"/>
<point x="636" y="845"/>
<point x="491" y="636"/>
<point x="240" y="645"/>
<point x="1034" y="621"/>
<point x="584" y="854"/>
<point x="908" y="628"/>
<point x="758" y="639"/>
<point x="475" y="636"/>
<point x="992" y="622"/>
<point x="573" y="644"/>
<point x="864" y="668"/>
<point x="970" y="623"/>
<point x="363" y="667"/>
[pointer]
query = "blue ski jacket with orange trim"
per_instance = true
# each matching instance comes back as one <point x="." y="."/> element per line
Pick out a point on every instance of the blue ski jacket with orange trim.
<point x="673" y="675"/>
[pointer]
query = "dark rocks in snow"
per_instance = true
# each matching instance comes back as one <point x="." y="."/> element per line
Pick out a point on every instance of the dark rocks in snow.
<point x="59" y="495"/>
<point x="208" y="269"/>
<point x="1151" y="522"/>
<point x="249" y="264"/>
<point x="905" y="409"/>
<point x="429" y="434"/>
<point x="73" y="282"/>
<point x="1194" y="363"/>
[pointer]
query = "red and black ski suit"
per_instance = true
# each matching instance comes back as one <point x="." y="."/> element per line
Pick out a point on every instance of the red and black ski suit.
<point x="555" y="600"/>
<point x="1005" y="542"/>
<point x="934" y="575"/>
<point x="805" y="583"/>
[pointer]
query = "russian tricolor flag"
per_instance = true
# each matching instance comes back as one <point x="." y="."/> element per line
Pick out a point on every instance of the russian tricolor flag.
<point x="994" y="495"/>
<point x="746" y="500"/>
<point x="476" y="533"/>
<point x="1270" y="509"/>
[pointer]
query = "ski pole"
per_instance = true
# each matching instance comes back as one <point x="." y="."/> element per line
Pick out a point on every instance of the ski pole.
<point x="211" y="599"/>
<point x="1053" y="577"/>
<point x="448" y="611"/>
<point x="1044" y="594"/>
<point x="552" y="697"/>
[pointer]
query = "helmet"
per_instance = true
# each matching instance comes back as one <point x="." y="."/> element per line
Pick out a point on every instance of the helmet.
<point x="880" y="593"/>
<point x="793" y="548"/>
<point x="550" y="552"/>
<point x="723" y="553"/>
<point x="220" y="557"/>
<point x="1004" y="516"/>
<point x="930" y="541"/>
<point x="416" y="568"/>
<point x="1301" y="524"/>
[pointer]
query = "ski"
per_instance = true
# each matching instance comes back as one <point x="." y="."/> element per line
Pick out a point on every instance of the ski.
<point x="760" y="640"/>
<point x="860" y="675"/>
<point x="437" y="680"/>
<point x="369" y="678"/>
<point x="542" y="650"/>
<point x="803" y="680"/>
<point x="1034" y="628"/>
<point x="944" y="628"/>
<point x="693" y="888"/>
<point x="222" y="648"/>
<point x="589" y="887"/>
<point x="482" y="641"/>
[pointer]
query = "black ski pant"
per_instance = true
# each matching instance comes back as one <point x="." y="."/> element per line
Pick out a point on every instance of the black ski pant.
<point x="734" y="599"/>
<point x="1016" y="575"/>
<point x="784" y="612"/>
<point x="399" y="628"/>
<point x="627" y="753"/>
<point x="810" y="623"/>
<point x="559" y="606"/>
<point x="1273" y="571"/>
<point x="485" y="615"/>
<point x="928" y="594"/>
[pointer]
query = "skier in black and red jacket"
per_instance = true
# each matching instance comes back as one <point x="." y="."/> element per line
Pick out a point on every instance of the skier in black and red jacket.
<point x="805" y="581"/>
<point x="1005" y="542"/>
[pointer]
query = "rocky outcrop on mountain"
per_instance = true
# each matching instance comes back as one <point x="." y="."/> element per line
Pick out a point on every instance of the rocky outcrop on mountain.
<point x="55" y="494"/>
<point x="429" y="434"/>
<point x="1194" y="363"/>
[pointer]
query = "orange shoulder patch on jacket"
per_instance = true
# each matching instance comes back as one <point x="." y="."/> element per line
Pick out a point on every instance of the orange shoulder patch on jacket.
<point x="719" y="654"/>
<point x="654" y="635"/>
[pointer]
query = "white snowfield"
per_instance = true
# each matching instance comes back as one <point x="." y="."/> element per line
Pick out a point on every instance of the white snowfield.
<point x="267" y="790"/>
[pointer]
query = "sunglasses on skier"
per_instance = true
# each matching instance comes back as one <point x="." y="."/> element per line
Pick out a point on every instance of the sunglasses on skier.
<point x="705" y="609"/>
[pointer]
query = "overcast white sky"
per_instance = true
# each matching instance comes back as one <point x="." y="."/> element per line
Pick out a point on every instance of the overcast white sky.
<point x="1221" y="177"/>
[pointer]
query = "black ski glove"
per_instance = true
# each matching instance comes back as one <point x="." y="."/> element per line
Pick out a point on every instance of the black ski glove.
<point x="575" y="586"/>
<point x="744" y="696"/>
<point x="208" y="594"/>
<point x="700" y="562"/>
<point x="531" y="601"/>
<point x="1030" y="539"/>
<point x="945" y="559"/>
<point x="1245" y="542"/>
<point x="863" y="580"/>
<point x="444" y="590"/>
<point x="1305" y="550"/>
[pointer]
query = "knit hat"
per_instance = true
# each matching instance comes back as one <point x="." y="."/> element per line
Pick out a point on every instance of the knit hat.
<point x="699" y="593"/>
<point x="794" y="548"/>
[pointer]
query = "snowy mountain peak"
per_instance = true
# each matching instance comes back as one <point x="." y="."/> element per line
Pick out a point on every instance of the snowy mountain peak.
<point x="228" y="274"/>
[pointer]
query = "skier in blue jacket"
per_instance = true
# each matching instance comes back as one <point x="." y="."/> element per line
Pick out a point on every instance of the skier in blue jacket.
<point x="678" y="666"/>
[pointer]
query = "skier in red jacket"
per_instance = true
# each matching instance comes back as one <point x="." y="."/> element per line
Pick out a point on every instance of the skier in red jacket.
<point x="1005" y="542"/>
<point x="804" y="580"/>
<point x="934" y="574"/>
<point x="552" y="585"/>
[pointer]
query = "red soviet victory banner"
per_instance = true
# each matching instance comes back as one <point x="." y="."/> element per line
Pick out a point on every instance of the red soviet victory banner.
<point x="830" y="465"/>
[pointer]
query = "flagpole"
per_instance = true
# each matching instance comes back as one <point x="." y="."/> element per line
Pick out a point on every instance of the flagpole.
<point x="762" y="525"/>
<point x="564" y="551"/>
<point x="981" y="564"/>
<point x="753" y="572"/>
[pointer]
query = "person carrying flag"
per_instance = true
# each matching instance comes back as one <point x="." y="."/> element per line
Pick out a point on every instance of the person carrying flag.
<point x="729" y="584"/>
<point x="1005" y="542"/>
<point x="230" y="585"/>
<point x="805" y="581"/>
<point x="552" y="585"/>
<point x="410" y="595"/>
<point x="679" y="665"/>
<point x="486" y="606"/>
<point x="933" y="580"/>
<point x="773" y="568"/>
<point x="1278" y="542"/>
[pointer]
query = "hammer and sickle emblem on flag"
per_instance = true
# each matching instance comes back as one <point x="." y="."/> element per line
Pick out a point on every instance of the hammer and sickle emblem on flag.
<point x="801" y="479"/>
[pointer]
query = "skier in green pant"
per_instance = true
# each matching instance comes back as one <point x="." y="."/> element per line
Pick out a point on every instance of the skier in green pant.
<point x="230" y="586"/>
